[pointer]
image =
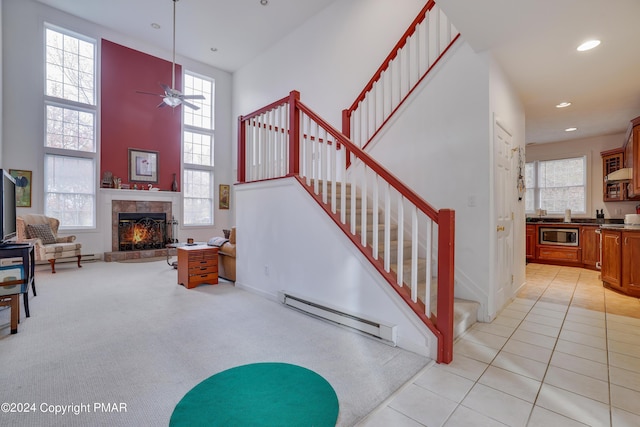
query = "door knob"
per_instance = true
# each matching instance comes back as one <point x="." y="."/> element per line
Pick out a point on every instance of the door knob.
<point x="500" y="228"/>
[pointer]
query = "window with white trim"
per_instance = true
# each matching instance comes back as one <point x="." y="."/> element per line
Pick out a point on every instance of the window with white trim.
<point x="198" y="159"/>
<point x="70" y="153"/>
<point x="556" y="185"/>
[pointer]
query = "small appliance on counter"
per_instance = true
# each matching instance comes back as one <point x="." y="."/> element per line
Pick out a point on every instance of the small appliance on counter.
<point x="567" y="215"/>
<point x="600" y="216"/>
<point x="632" y="219"/>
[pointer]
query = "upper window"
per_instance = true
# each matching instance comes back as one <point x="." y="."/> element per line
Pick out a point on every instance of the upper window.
<point x="198" y="160"/>
<point x="557" y="185"/>
<point x="70" y="67"/>
<point x="70" y="128"/>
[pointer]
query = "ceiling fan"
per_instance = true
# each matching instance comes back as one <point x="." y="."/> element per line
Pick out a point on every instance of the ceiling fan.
<point x="173" y="97"/>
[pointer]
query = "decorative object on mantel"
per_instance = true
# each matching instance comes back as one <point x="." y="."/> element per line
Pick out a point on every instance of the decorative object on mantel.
<point x="143" y="165"/>
<point x="125" y="186"/>
<point x="174" y="183"/>
<point x="152" y="188"/>
<point x="107" y="178"/>
<point x="224" y="196"/>
<point x="117" y="182"/>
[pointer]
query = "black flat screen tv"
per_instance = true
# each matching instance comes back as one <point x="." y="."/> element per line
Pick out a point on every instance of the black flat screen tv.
<point x="7" y="207"/>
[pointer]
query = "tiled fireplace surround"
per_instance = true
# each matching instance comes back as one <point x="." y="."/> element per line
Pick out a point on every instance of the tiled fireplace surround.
<point x="134" y="206"/>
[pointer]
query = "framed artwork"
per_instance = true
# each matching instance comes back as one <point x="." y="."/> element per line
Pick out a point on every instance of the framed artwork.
<point x="143" y="165"/>
<point x="23" y="187"/>
<point x="224" y="196"/>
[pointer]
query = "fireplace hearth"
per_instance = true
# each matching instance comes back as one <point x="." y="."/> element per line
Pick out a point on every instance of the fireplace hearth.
<point x="141" y="231"/>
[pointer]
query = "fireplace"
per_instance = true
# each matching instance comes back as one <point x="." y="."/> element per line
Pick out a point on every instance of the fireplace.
<point x="141" y="231"/>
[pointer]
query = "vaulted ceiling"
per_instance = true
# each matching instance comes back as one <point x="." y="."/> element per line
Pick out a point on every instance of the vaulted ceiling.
<point x="533" y="41"/>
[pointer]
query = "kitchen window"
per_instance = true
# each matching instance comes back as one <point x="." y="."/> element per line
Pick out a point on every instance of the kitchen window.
<point x="556" y="185"/>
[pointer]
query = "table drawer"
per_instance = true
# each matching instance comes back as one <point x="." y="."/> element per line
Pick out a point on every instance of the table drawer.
<point x="211" y="278"/>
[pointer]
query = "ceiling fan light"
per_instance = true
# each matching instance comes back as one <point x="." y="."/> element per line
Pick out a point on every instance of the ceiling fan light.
<point x="171" y="101"/>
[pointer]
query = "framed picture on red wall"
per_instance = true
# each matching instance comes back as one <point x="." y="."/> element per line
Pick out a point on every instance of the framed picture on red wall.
<point x="143" y="165"/>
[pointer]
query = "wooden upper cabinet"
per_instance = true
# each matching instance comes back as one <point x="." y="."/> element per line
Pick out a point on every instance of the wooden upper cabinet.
<point x="612" y="160"/>
<point x="632" y="157"/>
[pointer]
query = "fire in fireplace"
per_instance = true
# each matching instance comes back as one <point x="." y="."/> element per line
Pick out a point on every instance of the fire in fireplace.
<point x="138" y="231"/>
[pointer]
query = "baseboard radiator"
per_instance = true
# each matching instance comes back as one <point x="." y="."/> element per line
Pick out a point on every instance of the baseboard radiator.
<point x="371" y="327"/>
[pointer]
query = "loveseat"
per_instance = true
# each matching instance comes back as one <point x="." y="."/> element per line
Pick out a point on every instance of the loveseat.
<point x="227" y="258"/>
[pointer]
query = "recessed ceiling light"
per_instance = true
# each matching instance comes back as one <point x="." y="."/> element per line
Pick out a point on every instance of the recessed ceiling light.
<point x="590" y="44"/>
<point x="264" y="2"/>
<point x="571" y="129"/>
<point x="214" y="49"/>
<point x="563" y="105"/>
<point x="155" y="26"/>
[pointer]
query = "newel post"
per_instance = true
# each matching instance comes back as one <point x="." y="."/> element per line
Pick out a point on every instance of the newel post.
<point x="346" y="131"/>
<point x="446" y="268"/>
<point x="242" y="151"/>
<point x="294" y="133"/>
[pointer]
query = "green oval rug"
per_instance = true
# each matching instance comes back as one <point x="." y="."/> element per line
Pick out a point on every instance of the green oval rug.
<point x="259" y="394"/>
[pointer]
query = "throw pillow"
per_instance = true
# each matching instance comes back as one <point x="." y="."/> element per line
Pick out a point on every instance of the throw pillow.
<point x="42" y="232"/>
<point x="217" y="241"/>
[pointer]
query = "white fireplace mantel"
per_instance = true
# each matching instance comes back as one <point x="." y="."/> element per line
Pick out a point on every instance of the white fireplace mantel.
<point x="108" y="195"/>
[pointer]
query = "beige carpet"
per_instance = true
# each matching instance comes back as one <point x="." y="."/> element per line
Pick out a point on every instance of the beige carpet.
<point x="128" y="333"/>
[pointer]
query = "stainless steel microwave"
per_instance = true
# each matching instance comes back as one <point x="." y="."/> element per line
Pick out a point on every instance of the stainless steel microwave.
<point x="559" y="236"/>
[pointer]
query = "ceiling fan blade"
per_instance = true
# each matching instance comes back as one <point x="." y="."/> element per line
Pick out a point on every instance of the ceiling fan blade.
<point x="149" y="93"/>
<point x="190" y="105"/>
<point x="162" y="104"/>
<point x="192" y="97"/>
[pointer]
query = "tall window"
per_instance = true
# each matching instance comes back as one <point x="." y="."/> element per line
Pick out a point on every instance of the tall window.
<point x="557" y="185"/>
<point x="198" y="143"/>
<point x="70" y="128"/>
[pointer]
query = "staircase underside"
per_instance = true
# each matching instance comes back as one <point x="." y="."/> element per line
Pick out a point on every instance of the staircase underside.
<point x="465" y="312"/>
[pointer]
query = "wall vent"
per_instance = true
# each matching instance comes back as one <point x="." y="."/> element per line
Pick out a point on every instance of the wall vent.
<point x="368" y="326"/>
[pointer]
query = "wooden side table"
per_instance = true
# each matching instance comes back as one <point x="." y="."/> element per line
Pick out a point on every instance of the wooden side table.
<point x="197" y="265"/>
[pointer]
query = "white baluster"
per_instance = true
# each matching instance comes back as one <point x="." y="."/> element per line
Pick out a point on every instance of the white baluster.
<point x="387" y="227"/>
<point x="414" y="253"/>
<point x="374" y="223"/>
<point x="363" y="207"/>
<point x="400" y="262"/>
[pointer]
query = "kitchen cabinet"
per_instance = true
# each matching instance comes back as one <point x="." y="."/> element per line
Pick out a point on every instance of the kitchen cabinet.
<point x="612" y="258"/>
<point x="590" y="244"/>
<point x="632" y="158"/>
<point x="612" y="160"/>
<point x="531" y="238"/>
<point x="559" y="253"/>
<point x="630" y="264"/>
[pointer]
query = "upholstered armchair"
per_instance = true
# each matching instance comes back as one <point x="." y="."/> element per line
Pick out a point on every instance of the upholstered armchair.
<point x="43" y="232"/>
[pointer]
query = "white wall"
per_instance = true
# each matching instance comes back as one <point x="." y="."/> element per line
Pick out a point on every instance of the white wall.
<point x="23" y="100"/>
<point x="446" y="130"/>
<point x="296" y="247"/>
<point x="591" y="147"/>
<point x="329" y="58"/>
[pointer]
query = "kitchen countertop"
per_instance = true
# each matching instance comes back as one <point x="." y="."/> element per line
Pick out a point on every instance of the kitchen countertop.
<point x="625" y="227"/>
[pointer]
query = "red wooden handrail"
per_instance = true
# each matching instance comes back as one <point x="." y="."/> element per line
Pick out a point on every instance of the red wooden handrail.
<point x="394" y="52"/>
<point x="409" y="194"/>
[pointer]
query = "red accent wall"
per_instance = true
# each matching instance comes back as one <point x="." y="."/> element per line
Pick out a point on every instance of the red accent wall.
<point x="133" y="120"/>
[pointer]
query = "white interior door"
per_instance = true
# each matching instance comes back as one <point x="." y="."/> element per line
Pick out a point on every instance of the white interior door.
<point x="504" y="185"/>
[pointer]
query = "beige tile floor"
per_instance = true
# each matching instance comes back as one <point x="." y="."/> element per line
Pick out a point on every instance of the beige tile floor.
<point x="565" y="352"/>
